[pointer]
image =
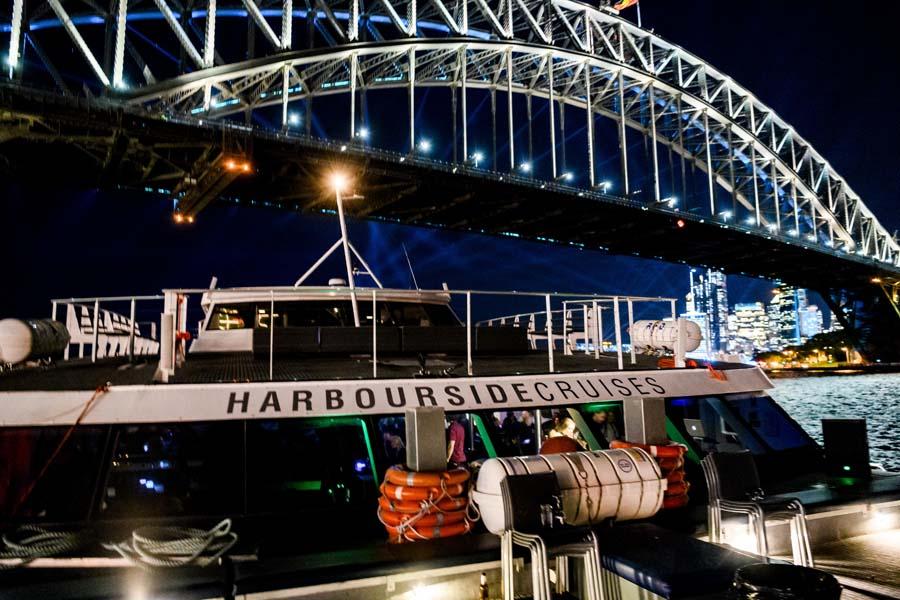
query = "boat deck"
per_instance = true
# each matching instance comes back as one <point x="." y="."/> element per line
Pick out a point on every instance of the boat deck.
<point x="243" y="367"/>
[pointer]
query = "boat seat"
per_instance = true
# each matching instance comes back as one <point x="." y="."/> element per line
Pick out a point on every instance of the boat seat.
<point x="449" y="339"/>
<point x="501" y="340"/>
<point x="286" y="340"/>
<point x="358" y="340"/>
<point x="668" y="563"/>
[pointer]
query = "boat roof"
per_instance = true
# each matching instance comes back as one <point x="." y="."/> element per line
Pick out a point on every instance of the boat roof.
<point x="310" y="293"/>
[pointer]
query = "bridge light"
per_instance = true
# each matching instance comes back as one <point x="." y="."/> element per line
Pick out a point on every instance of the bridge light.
<point x="726" y="214"/>
<point x="525" y="167"/>
<point x="477" y="157"/>
<point x="876" y="280"/>
<point x="363" y="133"/>
<point x="178" y="217"/>
<point x="605" y="186"/>
<point x="811" y="237"/>
<point x="567" y="177"/>
<point x="680" y="223"/>
<point x="771" y="227"/>
<point x="750" y="221"/>
<point x="293" y="119"/>
<point x="425" y="146"/>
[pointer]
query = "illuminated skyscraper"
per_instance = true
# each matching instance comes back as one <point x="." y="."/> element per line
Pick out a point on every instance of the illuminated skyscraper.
<point x="811" y="322"/>
<point x="784" y="321"/>
<point x="751" y="323"/>
<point x="709" y="296"/>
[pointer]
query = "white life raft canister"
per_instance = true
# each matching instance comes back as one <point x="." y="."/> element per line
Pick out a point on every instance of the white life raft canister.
<point x="621" y="484"/>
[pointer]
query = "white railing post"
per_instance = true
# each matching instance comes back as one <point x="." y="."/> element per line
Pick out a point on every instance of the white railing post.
<point x="565" y="328"/>
<point x="53" y="311"/>
<point x="618" y="322"/>
<point x="469" y="367"/>
<point x="374" y="334"/>
<point x="131" y="327"/>
<point x="598" y="341"/>
<point x="271" y="335"/>
<point x="674" y="310"/>
<point x="549" y="331"/>
<point x="96" y="326"/>
<point x="584" y="322"/>
<point x="630" y="326"/>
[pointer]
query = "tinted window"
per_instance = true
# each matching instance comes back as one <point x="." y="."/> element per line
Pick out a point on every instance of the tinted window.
<point x="231" y="316"/>
<point x="182" y="469"/>
<point x="776" y="429"/>
<point x="65" y="490"/>
<point x="605" y="421"/>
<point x="311" y="464"/>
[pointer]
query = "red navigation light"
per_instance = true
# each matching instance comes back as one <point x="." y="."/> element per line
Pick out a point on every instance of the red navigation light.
<point x="680" y="223"/>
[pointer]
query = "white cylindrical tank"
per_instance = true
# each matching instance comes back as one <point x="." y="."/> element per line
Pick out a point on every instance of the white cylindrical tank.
<point x="23" y="339"/>
<point x="622" y="484"/>
<point x="661" y="335"/>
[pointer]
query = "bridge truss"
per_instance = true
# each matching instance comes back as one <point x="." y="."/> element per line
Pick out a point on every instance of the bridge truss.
<point x="232" y="59"/>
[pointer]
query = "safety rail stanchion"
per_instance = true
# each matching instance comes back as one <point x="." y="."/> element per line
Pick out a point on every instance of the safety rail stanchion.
<point x="272" y="335"/>
<point x="674" y="311"/>
<point x="565" y="328"/>
<point x="618" y="322"/>
<point x="469" y="368"/>
<point x="598" y="340"/>
<point x="630" y="327"/>
<point x="53" y="310"/>
<point x="131" y="326"/>
<point x="374" y="334"/>
<point x="585" y="325"/>
<point x="96" y="325"/>
<point x="549" y="331"/>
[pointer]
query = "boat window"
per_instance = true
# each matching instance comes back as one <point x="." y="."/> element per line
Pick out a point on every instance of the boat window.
<point x="604" y="420"/>
<point x="231" y="316"/>
<point x="177" y="469"/>
<point x="392" y="436"/>
<point x="65" y="489"/>
<point x="421" y="315"/>
<point x="309" y="464"/>
<point x="515" y="432"/>
<point x="771" y="423"/>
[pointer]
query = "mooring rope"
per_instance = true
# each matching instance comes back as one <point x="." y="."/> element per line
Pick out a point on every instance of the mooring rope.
<point x="176" y="546"/>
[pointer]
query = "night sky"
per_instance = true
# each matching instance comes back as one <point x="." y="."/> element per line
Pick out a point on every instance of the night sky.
<point x="828" y="68"/>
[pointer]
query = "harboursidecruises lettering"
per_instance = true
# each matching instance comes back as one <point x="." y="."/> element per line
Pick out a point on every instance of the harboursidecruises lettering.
<point x="377" y="397"/>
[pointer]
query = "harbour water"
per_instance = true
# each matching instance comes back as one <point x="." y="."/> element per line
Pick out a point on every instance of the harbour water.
<point x="875" y="398"/>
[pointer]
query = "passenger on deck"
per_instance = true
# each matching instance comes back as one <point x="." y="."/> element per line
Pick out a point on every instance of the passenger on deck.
<point x="456" y="446"/>
<point x="605" y="425"/>
<point x="562" y="439"/>
<point x="527" y="435"/>
<point x="394" y="448"/>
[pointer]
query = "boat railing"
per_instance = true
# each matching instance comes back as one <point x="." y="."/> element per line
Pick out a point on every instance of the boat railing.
<point x="563" y="319"/>
<point x="93" y="324"/>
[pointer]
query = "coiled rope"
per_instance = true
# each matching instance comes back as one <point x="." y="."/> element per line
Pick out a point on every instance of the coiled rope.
<point x="30" y="542"/>
<point x="176" y="546"/>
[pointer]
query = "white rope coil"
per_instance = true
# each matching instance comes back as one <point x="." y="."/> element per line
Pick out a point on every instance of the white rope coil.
<point x="31" y="542"/>
<point x="176" y="546"/>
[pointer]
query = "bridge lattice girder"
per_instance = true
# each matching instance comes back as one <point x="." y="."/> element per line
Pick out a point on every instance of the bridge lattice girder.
<point x="558" y="50"/>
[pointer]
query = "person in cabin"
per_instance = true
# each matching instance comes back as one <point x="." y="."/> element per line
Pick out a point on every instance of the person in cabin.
<point x="562" y="439"/>
<point x="604" y="424"/>
<point x="456" y="445"/>
<point x="527" y="434"/>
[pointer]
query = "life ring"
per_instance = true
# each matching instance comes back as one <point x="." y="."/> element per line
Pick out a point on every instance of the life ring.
<point x="402" y="492"/>
<point x="668" y="451"/>
<point x="667" y="465"/>
<point x="413" y="533"/>
<point x="439" y="519"/>
<point x="679" y="488"/>
<point x="675" y="476"/>
<point x="413" y="507"/>
<point x="675" y="501"/>
<point x="667" y="362"/>
<point x="400" y="476"/>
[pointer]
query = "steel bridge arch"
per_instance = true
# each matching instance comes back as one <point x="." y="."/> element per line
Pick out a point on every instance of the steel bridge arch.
<point x="746" y="147"/>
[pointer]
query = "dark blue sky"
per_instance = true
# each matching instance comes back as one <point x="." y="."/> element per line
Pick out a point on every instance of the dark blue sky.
<point x="828" y="68"/>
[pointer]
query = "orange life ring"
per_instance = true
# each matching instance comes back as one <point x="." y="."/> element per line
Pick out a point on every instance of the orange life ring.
<point x="413" y="533"/>
<point x="670" y="464"/>
<point x="667" y="362"/>
<point x="401" y="476"/>
<point x="675" y="501"/>
<point x="439" y="519"/>
<point x="679" y="488"/>
<point x="675" y="476"/>
<point x="668" y="451"/>
<point x="413" y="507"/>
<point x="402" y="492"/>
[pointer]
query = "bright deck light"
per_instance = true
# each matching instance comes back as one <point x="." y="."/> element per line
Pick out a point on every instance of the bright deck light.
<point x="338" y="181"/>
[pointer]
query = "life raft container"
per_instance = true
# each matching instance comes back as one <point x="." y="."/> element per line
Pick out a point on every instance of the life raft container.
<point x="622" y="484"/>
<point x="671" y="462"/>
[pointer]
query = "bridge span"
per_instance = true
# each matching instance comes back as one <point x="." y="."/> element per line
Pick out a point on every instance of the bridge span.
<point x="451" y="113"/>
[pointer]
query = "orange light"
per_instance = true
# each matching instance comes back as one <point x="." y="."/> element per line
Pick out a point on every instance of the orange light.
<point x="680" y="223"/>
<point x="230" y="165"/>
<point x="876" y="280"/>
<point x="179" y="218"/>
<point x="190" y="219"/>
<point x="339" y="181"/>
<point x="245" y="167"/>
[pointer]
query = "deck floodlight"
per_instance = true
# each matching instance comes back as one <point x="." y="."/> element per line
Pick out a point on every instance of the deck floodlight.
<point x="338" y="181"/>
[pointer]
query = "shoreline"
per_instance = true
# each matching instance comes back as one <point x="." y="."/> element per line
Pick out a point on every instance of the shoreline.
<point x="841" y="371"/>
